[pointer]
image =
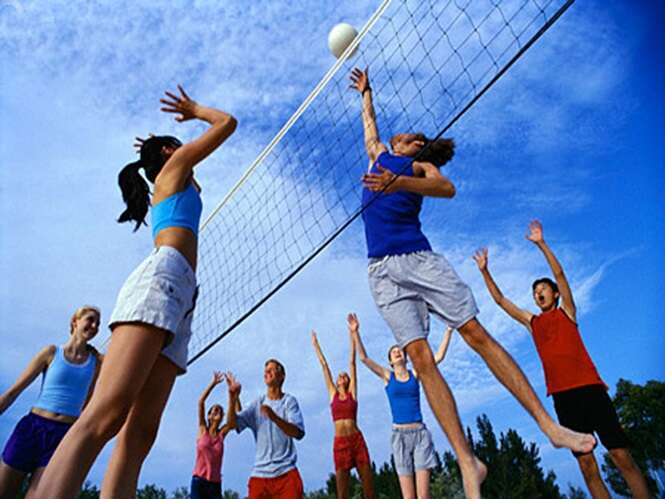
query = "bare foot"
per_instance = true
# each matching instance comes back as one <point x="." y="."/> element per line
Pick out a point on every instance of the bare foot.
<point x="561" y="436"/>
<point x="473" y="475"/>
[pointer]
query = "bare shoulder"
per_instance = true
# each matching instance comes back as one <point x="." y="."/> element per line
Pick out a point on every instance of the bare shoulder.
<point x="423" y="168"/>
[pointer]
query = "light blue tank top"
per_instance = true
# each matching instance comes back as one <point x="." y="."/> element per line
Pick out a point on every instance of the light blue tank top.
<point x="182" y="209"/>
<point x="65" y="385"/>
<point x="404" y="398"/>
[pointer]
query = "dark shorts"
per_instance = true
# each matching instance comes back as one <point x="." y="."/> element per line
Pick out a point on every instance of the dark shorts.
<point x="589" y="409"/>
<point x="33" y="442"/>
<point x="203" y="489"/>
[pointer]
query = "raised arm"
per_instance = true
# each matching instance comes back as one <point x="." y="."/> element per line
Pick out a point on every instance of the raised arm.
<point x="217" y="378"/>
<point x="373" y="145"/>
<point x="520" y="315"/>
<point x="234" y="401"/>
<point x="327" y="376"/>
<point x="37" y="365"/>
<point x="427" y="181"/>
<point x="222" y="125"/>
<point x="535" y="235"/>
<point x="443" y="347"/>
<point x="377" y="369"/>
<point x="352" y="322"/>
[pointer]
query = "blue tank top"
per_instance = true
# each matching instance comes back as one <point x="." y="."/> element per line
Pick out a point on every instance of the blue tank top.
<point x="65" y="385"/>
<point x="392" y="223"/>
<point x="404" y="398"/>
<point x="182" y="209"/>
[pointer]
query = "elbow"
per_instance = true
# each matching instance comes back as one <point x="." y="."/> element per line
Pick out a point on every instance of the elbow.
<point x="300" y="434"/>
<point x="231" y="124"/>
<point x="450" y="191"/>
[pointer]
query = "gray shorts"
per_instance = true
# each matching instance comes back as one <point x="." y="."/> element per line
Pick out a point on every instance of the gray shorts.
<point x="161" y="291"/>
<point x="407" y="288"/>
<point x="413" y="450"/>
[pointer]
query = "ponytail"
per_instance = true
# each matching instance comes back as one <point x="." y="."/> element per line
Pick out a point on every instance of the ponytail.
<point x="438" y="151"/>
<point x="135" y="194"/>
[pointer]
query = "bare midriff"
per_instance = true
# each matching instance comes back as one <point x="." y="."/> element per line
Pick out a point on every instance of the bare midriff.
<point x="345" y="427"/>
<point x="181" y="239"/>
<point x="53" y="416"/>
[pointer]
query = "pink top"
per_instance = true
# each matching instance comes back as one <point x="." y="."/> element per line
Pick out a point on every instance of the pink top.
<point x="209" y="453"/>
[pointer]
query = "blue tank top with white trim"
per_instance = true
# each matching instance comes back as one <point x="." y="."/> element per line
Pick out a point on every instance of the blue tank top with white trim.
<point x="404" y="398"/>
<point x="65" y="385"/>
<point x="182" y="209"/>
<point x="392" y="221"/>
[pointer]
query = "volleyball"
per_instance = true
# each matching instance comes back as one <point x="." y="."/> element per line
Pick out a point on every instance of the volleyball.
<point x="340" y="37"/>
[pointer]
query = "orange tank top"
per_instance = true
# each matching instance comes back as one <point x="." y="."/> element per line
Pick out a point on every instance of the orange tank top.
<point x="565" y="360"/>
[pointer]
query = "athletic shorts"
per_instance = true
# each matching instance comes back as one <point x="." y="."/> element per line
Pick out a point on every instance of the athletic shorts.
<point x="413" y="450"/>
<point x="407" y="288"/>
<point x="33" y="442"/>
<point x="589" y="409"/>
<point x="286" y="486"/>
<point x="203" y="489"/>
<point x="161" y="292"/>
<point x="350" y="452"/>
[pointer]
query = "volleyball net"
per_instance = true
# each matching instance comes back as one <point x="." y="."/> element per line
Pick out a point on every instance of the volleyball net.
<point x="429" y="62"/>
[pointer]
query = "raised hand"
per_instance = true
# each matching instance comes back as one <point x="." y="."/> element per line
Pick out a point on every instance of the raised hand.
<point x="535" y="232"/>
<point x="183" y="105"/>
<point x="384" y="181"/>
<point x="217" y="377"/>
<point x="353" y="323"/>
<point x="138" y="142"/>
<point x="315" y="341"/>
<point x="359" y="80"/>
<point x="234" y="386"/>
<point x="480" y="257"/>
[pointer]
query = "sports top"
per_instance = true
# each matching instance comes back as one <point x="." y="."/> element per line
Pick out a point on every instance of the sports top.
<point x="404" y="398"/>
<point x="182" y="209"/>
<point x="343" y="409"/>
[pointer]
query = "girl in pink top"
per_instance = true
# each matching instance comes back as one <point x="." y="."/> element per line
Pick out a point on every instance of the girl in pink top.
<point x="207" y="475"/>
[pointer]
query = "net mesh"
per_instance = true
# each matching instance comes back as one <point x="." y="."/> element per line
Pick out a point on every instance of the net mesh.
<point x="428" y="61"/>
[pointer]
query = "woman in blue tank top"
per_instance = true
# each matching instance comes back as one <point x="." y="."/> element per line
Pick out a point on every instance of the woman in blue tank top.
<point x="411" y="441"/>
<point x="152" y="318"/>
<point x="69" y="372"/>
<point x="409" y="281"/>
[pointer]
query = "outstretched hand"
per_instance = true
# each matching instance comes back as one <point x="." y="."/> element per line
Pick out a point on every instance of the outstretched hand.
<point x="480" y="257"/>
<point x="381" y="182"/>
<point x="234" y="386"/>
<point x="138" y="142"/>
<point x="315" y="341"/>
<point x="217" y="377"/>
<point x="535" y="234"/>
<point x="353" y="323"/>
<point x="359" y="79"/>
<point x="182" y="105"/>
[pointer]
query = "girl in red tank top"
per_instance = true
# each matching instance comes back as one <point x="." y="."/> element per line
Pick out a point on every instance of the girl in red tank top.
<point x="349" y="448"/>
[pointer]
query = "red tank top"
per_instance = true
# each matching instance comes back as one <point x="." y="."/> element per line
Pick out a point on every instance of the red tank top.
<point x="344" y="409"/>
<point x="565" y="360"/>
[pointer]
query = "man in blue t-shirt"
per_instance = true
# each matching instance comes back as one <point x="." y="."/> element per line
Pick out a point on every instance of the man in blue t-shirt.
<point x="275" y="420"/>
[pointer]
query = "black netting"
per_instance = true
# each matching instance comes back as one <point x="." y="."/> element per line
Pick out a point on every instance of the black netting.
<point x="428" y="61"/>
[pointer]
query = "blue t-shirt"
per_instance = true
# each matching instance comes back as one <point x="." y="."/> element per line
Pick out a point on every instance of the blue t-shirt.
<point x="275" y="450"/>
<point x="392" y="223"/>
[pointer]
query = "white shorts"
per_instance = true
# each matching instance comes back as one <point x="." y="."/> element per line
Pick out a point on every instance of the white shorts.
<point x="407" y="288"/>
<point x="161" y="292"/>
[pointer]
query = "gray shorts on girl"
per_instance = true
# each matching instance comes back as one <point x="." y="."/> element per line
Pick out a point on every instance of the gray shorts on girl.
<point x="407" y="288"/>
<point x="161" y="292"/>
<point x="413" y="449"/>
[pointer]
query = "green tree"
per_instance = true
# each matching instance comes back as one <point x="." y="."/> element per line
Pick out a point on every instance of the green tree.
<point x="150" y="491"/>
<point x="230" y="494"/>
<point x="575" y="493"/>
<point x="641" y="411"/>
<point x="180" y="493"/>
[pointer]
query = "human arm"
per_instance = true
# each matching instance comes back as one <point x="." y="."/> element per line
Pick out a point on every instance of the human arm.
<point x="327" y="376"/>
<point x="535" y="235"/>
<point x="217" y="378"/>
<point x="37" y="365"/>
<point x="377" y="369"/>
<point x="222" y="125"/>
<point x="443" y="347"/>
<point x="234" y="403"/>
<point x="373" y="145"/>
<point x="520" y="315"/>
<point x="293" y="425"/>
<point x="352" y="322"/>
<point x="427" y="181"/>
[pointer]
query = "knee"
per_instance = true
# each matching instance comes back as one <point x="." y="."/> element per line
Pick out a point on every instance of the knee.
<point x="138" y="435"/>
<point x="622" y="459"/>
<point x="105" y="419"/>
<point x="421" y="356"/>
<point x="475" y="335"/>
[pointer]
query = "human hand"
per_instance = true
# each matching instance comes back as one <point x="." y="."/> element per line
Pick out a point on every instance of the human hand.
<point x="267" y="412"/>
<point x="315" y="341"/>
<point x="184" y="106"/>
<point x="480" y="257"/>
<point x="359" y="80"/>
<point x="138" y="142"/>
<point x="353" y="323"/>
<point x="217" y="377"/>
<point x="386" y="181"/>
<point x="535" y="234"/>
<point x="234" y="386"/>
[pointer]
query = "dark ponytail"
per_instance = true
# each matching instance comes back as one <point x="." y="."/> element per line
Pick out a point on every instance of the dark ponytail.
<point x="437" y="152"/>
<point x="135" y="190"/>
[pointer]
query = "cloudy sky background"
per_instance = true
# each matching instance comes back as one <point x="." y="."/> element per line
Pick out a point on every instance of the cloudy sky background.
<point x="571" y="135"/>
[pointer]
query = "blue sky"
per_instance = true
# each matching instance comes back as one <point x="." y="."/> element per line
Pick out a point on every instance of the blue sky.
<point x="571" y="135"/>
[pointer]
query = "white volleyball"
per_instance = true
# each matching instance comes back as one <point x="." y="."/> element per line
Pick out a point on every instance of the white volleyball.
<point x="341" y="37"/>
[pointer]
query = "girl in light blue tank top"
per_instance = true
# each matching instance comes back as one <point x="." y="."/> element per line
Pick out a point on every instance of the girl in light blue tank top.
<point x="151" y="322"/>
<point x="69" y="373"/>
<point x="411" y="442"/>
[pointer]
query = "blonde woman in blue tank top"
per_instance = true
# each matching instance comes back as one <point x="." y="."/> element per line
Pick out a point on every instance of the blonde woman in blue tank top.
<point x="411" y="441"/>
<point x="152" y="318"/>
<point x="69" y="372"/>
